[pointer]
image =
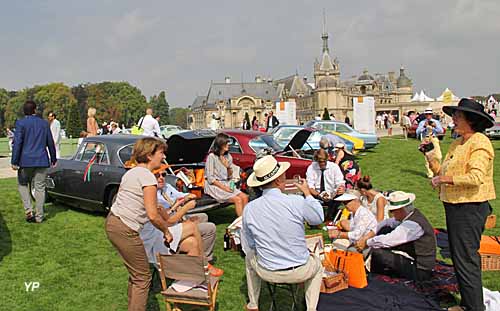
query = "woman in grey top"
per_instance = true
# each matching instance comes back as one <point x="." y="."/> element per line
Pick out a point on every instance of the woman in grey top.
<point x="218" y="175"/>
<point x="136" y="203"/>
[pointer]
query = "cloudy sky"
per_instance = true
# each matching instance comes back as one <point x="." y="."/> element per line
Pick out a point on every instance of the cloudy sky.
<point x="180" y="46"/>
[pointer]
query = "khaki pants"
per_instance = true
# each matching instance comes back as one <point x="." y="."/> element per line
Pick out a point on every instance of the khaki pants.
<point x="25" y="175"/>
<point x="310" y="274"/>
<point x="129" y="245"/>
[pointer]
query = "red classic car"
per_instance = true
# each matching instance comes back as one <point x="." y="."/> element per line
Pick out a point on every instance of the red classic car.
<point x="245" y="145"/>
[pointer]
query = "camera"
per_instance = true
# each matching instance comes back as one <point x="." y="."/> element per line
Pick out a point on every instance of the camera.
<point x="426" y="147"/>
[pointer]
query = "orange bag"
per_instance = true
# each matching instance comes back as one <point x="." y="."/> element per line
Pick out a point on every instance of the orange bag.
<point x="351" y="264"/>
<point x="199" y="179"/>
<point x="489" y="245"/>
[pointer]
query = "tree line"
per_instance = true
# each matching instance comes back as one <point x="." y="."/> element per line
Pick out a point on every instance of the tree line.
<point x="117" y="101"/>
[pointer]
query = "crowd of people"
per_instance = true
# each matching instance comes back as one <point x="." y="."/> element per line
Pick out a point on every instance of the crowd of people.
<point x="150" y="216"/>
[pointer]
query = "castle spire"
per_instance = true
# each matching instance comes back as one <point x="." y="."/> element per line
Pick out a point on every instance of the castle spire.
<point x="324" y="36"/>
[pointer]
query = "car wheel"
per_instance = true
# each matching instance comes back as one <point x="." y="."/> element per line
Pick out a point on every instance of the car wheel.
<point x="111" y="199"/>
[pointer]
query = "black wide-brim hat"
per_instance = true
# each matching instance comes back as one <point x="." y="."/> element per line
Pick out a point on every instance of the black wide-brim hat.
<point x="470" y="106"/>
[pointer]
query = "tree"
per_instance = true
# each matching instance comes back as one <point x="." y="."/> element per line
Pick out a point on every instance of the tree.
<point x="14" y="109"/>
<point x="4" y="99"/>
<point x="73" y="122"/>
<point x="326" y="115"/>
<point x="160" y="107"/>
<point x="119" y="101"/>
<point x="178" y="116"/>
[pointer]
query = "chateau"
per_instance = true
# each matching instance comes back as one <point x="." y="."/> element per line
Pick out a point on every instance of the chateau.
<point x="229" y="101"/>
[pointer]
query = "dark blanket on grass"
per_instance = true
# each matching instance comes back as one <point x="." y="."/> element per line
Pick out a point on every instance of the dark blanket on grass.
<point x="439" y="288"/>
<point x="378" y="295"/>
<point x="387" y="293"/>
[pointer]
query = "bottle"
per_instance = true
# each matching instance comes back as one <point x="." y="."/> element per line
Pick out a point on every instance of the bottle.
<point x="227" y="239"/>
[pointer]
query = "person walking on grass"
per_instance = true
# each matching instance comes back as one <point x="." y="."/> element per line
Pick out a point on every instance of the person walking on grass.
<point x="29" y="157"/>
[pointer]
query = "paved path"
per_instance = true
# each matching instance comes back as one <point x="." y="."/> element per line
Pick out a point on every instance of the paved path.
<point x="396" y="130"/>
<point x="5" y="170"/>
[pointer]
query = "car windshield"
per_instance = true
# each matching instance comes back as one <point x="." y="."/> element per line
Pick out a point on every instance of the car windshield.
<point x="342" y="128"/>
<point x="286" y="133"/>
<point x="262" y="142"/>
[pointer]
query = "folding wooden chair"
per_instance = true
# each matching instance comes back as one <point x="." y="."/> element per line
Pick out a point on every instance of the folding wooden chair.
<point x="187" y="268"/>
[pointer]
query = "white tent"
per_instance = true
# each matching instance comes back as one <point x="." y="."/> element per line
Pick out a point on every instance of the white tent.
<point x="415" y="97"/>
<point x="425" y="98"/>
<point x="421" y="97"/>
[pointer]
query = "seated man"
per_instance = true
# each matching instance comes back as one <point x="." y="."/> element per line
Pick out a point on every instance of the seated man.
<point x="325" y="181"/>
<point x="409" y="250"/>
<point x="273" y="236"/>
<point x="192" y="236"/>
<point x="362" y="223"/>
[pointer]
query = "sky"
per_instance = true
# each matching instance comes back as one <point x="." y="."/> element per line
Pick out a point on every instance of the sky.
<point x="180" y="46"/>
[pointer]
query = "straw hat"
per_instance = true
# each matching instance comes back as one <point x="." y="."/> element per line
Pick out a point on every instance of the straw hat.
<point x="342" y="146"/>
<point x="349" y="196"/>
<point x="265" y="170"/>
<point x="399" y="199"/>
<point x="428" y="110"/>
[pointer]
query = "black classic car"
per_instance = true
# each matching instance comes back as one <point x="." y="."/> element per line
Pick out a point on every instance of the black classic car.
<point x="90" y="178"/>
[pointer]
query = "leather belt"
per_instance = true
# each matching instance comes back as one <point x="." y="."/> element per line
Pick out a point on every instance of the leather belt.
<point x="289" y="268"/>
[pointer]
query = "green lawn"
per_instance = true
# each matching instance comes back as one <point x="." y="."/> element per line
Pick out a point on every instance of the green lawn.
<point x="68" y="146"/>
<point x="78" y="269"/>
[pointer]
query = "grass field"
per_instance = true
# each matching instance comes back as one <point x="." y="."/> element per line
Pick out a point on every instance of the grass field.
<point x="78" y="269"/>
<point x="68" y="146"/>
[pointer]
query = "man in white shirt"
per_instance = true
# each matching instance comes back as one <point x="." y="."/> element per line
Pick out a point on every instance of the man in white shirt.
<point x="149" y="124"/>
<point x="55" y="129"/>
<point x="362" y="222"/>
<point x="273" y="236"/>
<point x="408" y="247"/>
<point x="325" y="181"/>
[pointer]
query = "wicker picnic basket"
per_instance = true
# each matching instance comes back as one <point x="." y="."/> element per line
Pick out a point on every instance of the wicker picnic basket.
<point x="334" y="280"/>
<point x="491" y="222"/>
<point x="490" y="262"/>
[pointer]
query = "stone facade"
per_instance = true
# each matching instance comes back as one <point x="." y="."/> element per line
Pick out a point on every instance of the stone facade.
<point x="230" y="101"/>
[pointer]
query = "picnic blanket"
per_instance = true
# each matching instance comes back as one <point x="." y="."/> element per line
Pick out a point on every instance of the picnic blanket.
<point x="378" y="295"/>
<point x="439" y="288"/>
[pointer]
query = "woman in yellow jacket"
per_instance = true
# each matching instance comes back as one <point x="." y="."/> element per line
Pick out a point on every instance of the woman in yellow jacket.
<point x="465" y="180"/>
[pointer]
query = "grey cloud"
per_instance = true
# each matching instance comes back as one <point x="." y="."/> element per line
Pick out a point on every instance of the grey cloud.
<point x="180" y="46"/>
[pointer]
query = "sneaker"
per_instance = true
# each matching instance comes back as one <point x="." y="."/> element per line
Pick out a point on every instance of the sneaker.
<point x="217" y="272"/>
<point x="39" y="220"/>
<point x="30" y="217"/>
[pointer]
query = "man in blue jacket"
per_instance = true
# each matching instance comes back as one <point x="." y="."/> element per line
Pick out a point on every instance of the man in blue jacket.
<point x="30" y="159"/>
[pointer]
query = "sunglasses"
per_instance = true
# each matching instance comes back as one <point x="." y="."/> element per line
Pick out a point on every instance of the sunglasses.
<point x="164" y="174"/>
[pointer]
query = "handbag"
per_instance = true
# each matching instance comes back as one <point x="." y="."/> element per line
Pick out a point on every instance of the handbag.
<point x="351" y="264"/>
<point x="137" y="130"/>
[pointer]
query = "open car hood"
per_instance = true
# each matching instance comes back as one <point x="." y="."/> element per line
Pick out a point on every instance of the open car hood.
<point x="299" y="139"/>
<point x="189" y="147"/>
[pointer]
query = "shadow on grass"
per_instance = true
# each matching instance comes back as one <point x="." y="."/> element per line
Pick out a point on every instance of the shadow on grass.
<point x="5" y="239"/>
<point x="52" y="209"/>
<point x="283" y="296"/>
<point x="414" y="172"/>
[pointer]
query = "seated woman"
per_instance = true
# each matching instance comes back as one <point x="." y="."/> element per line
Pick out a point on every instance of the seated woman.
<point x="372" y="199"/>
<point x="347" y="163"/>
<point x="218" y="175"/>
<point x="362" y="223"/>
<point x="186" y="235"/>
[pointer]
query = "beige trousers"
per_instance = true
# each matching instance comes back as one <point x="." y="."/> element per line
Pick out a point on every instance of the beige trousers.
<point x="311" y="274"/>
<point x="130" y="247"/>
